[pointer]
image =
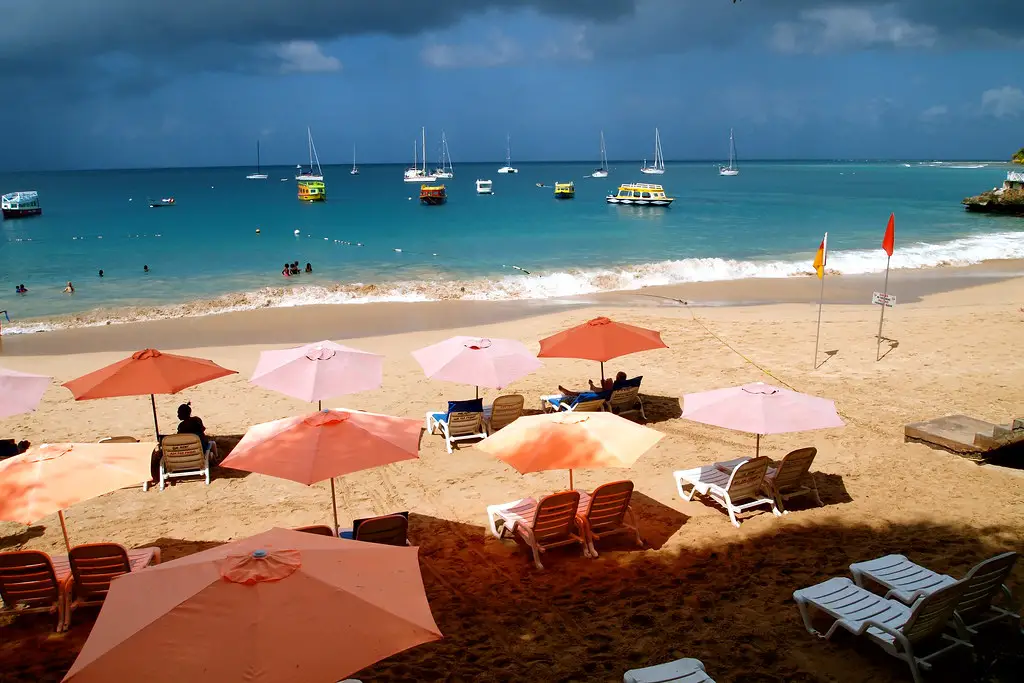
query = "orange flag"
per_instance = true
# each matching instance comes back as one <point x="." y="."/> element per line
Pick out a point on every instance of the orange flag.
<point x="820" y="257"/>
<point x="889" y="241"/>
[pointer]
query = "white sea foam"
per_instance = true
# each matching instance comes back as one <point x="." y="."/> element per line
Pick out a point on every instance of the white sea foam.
<point x="541" y="285"/>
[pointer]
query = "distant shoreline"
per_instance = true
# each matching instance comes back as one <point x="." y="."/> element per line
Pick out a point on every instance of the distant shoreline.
<point x="297" y="324"/>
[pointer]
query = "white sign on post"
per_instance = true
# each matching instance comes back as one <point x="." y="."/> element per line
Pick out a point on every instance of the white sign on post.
<point x="880" y="299"/>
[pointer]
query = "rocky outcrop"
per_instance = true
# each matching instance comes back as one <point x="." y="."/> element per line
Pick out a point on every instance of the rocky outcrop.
<point x="1005" y="201"/>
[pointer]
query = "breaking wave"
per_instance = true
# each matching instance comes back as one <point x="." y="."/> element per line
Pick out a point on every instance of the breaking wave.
<point x="549" y="285"/>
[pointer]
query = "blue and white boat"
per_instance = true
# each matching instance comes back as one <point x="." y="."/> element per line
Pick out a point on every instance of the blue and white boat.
<point x="20" y="204"/>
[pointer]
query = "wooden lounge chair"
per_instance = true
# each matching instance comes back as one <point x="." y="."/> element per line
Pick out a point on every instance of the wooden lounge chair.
<point x="119" y="439"/>
<point x="183" y="456"/>
<point x="386" y="530"/>
<point x="736" y="491"/>
<point x="625" y="398"/>
<point x="464" y="420"/>
<point x="318" y="529"/>
<point x="585" y="402"/>
<point x="549" y="523"/>
<point x="504" y="411"/>
<point x="907" y="582"/>
<point x="94" y="566"/>
<point x="686" y="670"/>
<point x="29" y="584"/>
<point x="605" y="513"/>
<point x="793" y="477"/>
<point x="903" y="632"/>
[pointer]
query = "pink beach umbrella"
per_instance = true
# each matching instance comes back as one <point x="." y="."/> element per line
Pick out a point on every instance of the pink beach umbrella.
<point x="760" y="409"/>
<point x="20" y="392"/>
<point x="493" y="363"/>
<point x="318" y="371"/>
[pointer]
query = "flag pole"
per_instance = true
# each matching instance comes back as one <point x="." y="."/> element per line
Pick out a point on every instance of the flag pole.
<point x="881" y="317"/>
<point x="817" y="335"/>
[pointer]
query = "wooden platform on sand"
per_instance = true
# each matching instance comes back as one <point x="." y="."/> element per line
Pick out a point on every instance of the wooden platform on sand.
<point x="966" y="435"/>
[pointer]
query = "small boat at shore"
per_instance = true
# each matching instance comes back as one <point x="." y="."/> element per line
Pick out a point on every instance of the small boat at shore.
<point x="160" y="203"/>
<point x="433" y="195"/>
<point x="640" y="194"/>
<point x="565" y="190"/>
<point x="21" y="204"/>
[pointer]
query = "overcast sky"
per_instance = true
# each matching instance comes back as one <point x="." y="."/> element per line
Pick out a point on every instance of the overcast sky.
<point x="127" y="83"/>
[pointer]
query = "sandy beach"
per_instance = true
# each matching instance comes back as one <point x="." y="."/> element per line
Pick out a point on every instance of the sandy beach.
<point x="699" y="588"/>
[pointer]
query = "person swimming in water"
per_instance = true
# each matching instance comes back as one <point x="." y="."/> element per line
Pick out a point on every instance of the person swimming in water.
<point x="309" y="267"/>
<point x="101" y="272"/>
<point x="70" y="288"/>
<point x="145" y="269"/>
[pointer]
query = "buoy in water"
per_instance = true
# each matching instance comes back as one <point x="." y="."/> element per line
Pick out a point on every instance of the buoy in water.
<point x="296" y="233"/>
<point x="257" y="231"/>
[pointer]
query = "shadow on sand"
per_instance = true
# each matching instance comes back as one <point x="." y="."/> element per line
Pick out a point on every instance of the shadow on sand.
<point x="729" y="604"/>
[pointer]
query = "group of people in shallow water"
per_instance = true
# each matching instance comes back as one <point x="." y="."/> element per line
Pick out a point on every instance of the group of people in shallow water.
<point x="293" y="269"/>
<point x="68" y="288"/>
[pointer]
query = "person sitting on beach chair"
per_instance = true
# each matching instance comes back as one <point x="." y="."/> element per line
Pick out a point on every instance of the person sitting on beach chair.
<point x="192" y="424"/>
<point x="607" y="384"/>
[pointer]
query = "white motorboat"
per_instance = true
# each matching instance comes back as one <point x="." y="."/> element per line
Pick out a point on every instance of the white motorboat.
<point x="484" y="187"/>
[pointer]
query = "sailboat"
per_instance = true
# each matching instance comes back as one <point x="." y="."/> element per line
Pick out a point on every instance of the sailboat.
<point x="507" y="168"/>
<point x="318" y="174"/>
<point x="355" y="169"/>
<point x="257" y="175"/>
<point x="445" y="170"/>
<point x="415" y="174"/>
<point x="733" y="167"/>
<point x="659" y="158"/>
<point x="603" y="171"/>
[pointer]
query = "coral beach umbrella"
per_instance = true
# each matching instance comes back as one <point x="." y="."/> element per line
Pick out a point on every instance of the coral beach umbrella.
<point x="325" y="445"/>
<point x="20" y="392"/>
<point x="51" y="477"/>
<point x="760" y="409"/>
<point x="318" y="371"/>
<point x="600" y="339"/>
<point x="146" y="372"/>
<point x="493" y="363"/>
<point x="569" y="441"/>
<point x="279" y="607"/>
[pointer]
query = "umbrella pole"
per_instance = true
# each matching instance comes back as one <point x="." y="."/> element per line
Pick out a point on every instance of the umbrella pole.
<point x="570" y="480"/>
<point x="319" y="405"/>
<point x="477" y="391"/>
<point x="334" y="506"/>
<point x="64" y="528"/>
<point x="156" y="424"/>
<point x="602" y="372"/>
<point x="757" y="451"/>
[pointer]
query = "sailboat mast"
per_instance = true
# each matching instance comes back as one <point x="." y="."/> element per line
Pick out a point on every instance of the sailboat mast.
<point x="257" y="157"/>
<point x="423" y="146"/>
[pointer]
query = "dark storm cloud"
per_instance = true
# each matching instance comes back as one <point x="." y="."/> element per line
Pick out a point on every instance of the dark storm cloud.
<point x="32" y="30"/>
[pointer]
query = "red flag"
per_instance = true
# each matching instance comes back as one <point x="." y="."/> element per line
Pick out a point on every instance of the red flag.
<point x="889" y="241"/>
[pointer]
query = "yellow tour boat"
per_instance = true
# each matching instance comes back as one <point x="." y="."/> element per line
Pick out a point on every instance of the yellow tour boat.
<point x="312" y="191"/>
<point x="565" y="190"/>
<point x="640" y="194"/>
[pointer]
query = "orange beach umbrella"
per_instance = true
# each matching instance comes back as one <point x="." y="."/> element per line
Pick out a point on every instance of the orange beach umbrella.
<point x="146" y="372"/>
<point x="278" y="607"/>
<point x="325" y="445"/>
<point x="600" y="339"/>
<point x="569" y="441"/>
<point x="51" y="477"/>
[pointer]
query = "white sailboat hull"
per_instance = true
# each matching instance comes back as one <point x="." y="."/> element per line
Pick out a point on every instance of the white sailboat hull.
<point x="420" y="179"/>
<point x="256" y="176"/>
<point x="728" y="171"/>
<point x="653" y="171"/>
<point x="508" y="169"/>
<point x="443" y="174"/>
<point x="599" y="174"/>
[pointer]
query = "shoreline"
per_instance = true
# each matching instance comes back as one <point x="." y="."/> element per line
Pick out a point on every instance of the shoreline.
<point x="301" y="324"/>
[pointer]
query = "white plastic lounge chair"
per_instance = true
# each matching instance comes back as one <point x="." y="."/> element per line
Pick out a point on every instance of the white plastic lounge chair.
<point x="626" y="400"/>
<point x="183" y="456"/>
<point x="504" y="411"/>
<point x="549" y="523"/>
<point x="900" y="630"/>
<point x="736" y="491"/>
<point x="119" y="439"/>
<point x="907" y="581"/>
<point x="458" y="424"/>
<point x="680" y="671"/>
<point x="607" y="512"/>
<point x="586" y="402"/>
<point x="792" y="477"/>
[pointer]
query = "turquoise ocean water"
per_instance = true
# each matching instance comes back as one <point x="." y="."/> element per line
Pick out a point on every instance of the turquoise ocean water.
<point x="204" y="253"/>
